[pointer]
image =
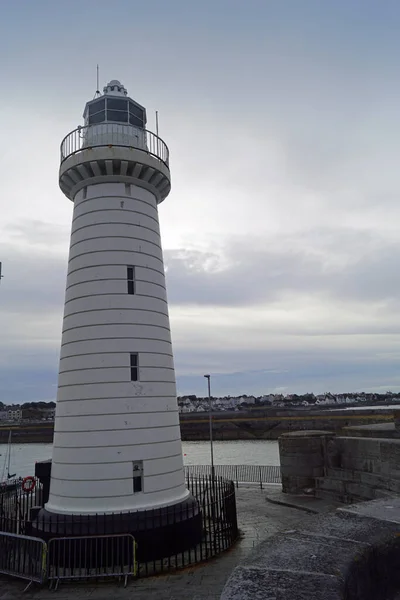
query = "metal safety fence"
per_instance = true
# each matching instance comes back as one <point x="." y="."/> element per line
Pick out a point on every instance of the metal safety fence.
<point x="24" y="557"/>
<point x="259" y="474"/>
<point x="91" y="557"/>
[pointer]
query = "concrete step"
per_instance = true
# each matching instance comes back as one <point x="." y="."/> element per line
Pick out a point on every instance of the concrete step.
<point x="330" y="488"/>
<point x="332" y="496"/>
<point x="354" y="489"/>
<point x="348" y="490"/>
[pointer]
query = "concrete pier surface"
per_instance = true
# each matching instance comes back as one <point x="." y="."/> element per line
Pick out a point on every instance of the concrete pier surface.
<point x="258" y="520"/>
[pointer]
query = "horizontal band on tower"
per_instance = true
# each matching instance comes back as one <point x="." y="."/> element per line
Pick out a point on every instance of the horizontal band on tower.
<point x="120" y="367"/>
<point x="123" y="210"/>
<point x="131" y="323"/>
<point x="118" y="398"/>
<point x="116" y="237"/>
<point x="120" y="478"/>
<point x="114" y="462"/>
<point x="115" y="279"/>
<point x="118" y="197"/>
<point x="67" y="385"/>
<point x="122" y="429"/>
<point x="178" y="439"/>
<point x="128" y="308"/>
<point x="123" y="414"/>
<point x="80" y="497"/>
<point x="114" y="352"/>
<point x="122" y="265"/>
<point x="141" y="253"/>
<point x="173" y="487"/>
<point x="127" y="224"/>
<point x="124" y="294"/>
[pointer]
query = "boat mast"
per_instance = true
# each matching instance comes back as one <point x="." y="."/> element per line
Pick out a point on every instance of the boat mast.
<point x="9" y="457"/>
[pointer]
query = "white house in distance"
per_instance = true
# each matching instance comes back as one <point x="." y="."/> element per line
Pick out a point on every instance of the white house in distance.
<point x="12" y="414"/>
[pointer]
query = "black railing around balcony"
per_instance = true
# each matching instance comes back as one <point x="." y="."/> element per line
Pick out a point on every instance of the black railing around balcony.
<point x="114" y="134"/>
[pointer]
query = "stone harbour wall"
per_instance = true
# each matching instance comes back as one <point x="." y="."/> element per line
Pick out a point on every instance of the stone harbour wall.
<point x="341" y="469"/>
<point x="349" y="554"/>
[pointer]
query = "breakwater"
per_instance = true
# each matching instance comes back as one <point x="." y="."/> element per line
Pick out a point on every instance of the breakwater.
<point x="257" y="423"/>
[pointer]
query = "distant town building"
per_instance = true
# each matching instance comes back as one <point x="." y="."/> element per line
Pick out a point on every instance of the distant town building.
<point x="14" y="414"/>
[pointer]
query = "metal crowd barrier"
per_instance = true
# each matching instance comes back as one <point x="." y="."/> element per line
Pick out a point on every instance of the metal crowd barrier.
<point x="88" y="557"/>
<point x="259" y="474"/>
<point x="23" y="557"/>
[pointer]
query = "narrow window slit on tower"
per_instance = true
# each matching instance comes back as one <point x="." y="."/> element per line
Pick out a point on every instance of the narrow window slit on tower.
<point x="134" y="367"/>
<point x="130" y="275"/>
<point x="137" y="476"/>
<point x="84" y="193"/>
<point x="128" y="189"/>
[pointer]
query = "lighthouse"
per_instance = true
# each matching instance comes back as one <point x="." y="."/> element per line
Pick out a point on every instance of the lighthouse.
<point x="117" y="444"/>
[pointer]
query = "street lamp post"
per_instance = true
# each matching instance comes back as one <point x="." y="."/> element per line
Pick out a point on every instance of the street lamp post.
<point x="210" y="423"/>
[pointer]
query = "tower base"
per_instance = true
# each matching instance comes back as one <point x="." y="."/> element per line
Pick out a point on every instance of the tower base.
<point x="158" y="533"/>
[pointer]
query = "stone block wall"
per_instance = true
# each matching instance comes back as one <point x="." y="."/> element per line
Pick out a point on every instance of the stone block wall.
<point x="343" y="469"/>
<point x="302" y="459"/>
<point x="370" y="455"/>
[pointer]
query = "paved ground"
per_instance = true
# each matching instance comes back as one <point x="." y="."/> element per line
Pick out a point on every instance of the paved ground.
<point x="258" y="519"/>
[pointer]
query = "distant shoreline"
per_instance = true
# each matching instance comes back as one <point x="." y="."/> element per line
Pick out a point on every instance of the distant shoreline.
<point x="262" y="423"/>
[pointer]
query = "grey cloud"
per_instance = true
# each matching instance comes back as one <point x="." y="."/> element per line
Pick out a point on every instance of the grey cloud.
<point x="38" y="233"/>
<point x="338" y="264"/>
<point x="246" y="274"/>
<point x="300" y="372"/>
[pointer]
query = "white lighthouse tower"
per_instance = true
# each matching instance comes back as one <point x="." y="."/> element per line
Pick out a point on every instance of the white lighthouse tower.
<point x="117" y="445"/>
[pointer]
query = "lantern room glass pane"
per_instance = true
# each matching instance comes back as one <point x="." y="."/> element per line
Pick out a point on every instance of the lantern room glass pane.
<point x="135" y="121"/>
<point x="136" y="110"/>
<point x="117" y="115"/>
<point x="96" y="106"/>
<point x="117" y="104"/>
<point x="97" y="118"/>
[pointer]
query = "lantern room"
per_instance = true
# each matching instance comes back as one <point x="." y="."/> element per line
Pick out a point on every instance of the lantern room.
<point x="115" y="107"/>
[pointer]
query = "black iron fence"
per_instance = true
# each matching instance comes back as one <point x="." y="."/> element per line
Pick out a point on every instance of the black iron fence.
<point x="258" y="474"/>
<point x="16" y="508"/>
<point x="106" y="547"/>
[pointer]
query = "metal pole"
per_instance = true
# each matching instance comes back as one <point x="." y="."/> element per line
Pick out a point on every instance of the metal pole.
<point x="208" y="377"/>
<point x="158" y="139"/>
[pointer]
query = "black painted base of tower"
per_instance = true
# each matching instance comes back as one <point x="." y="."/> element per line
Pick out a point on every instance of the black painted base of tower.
<point x="158" y="533"/>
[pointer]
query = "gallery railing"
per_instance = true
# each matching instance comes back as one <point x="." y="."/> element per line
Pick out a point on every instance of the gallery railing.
<point x="114" y="134"/>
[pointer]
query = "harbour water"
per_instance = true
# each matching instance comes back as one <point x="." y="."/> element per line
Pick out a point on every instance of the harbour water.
<point x="240" y="452"/>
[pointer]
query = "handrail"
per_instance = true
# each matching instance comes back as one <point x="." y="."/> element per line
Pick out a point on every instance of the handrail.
<point x="239" y="473"/>
<point x="114" y="134"/>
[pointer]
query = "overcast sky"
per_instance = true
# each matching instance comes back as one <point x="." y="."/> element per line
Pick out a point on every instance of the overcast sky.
<point x="280" y="234"/>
